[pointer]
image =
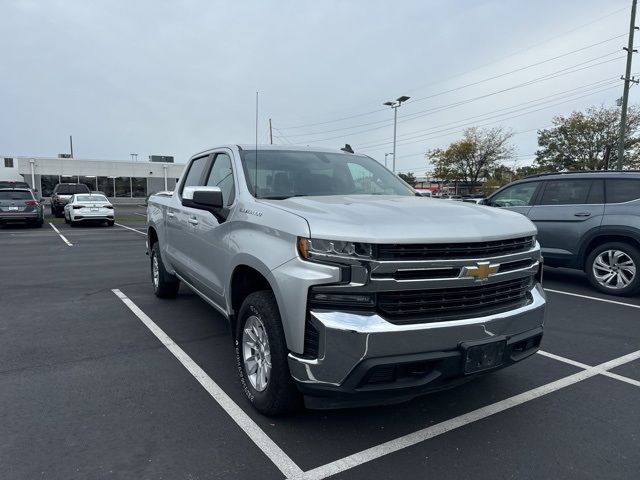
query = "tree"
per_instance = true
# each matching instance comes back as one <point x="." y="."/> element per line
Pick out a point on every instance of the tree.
<point x="474" y="156"/>
<point x="589" y="140"/>
<point x="409" y="177"/>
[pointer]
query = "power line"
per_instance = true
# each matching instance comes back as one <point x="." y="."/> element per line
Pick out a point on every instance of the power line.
<point x="409" y="117"/>
<point x="495" y="121"/>
<point x="572" y="91"/>
<point x="459" y="88"/>
<point x="473" y="70"/>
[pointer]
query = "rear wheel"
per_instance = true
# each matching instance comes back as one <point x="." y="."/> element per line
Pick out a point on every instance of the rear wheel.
<point x="165" y="285"/>
<point x="38" y="223"/>
<point x="613" y="268"/>
<point x="110" y="223"/>
<point x="261" y="354"/>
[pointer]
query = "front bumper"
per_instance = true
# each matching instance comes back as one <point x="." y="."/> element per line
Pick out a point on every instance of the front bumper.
<point x="353" y="348"/>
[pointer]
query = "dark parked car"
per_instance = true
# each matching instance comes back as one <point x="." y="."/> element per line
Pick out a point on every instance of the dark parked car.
<point x="586" y="220"/>
<point x="20" y="205"/>
<point x="61" y="195"/>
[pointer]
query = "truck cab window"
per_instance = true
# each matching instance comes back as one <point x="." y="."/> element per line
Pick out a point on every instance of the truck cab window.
<point x="221" y="175"/>
<point x="196" y="171"/>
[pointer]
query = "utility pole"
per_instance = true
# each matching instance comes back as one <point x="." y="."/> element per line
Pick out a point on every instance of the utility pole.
<point x="71" y="144"/>
<point x="627" y="81"/>
<point x="270" y="133"/>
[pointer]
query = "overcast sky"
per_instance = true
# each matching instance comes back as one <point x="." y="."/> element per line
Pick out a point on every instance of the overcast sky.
<point x="173" y="78"/>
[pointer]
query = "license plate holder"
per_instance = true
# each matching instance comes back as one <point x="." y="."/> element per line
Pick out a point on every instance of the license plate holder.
<point x="94" y="209"/>
<point x="483" y="355"/>
<point x="13" y="209"/>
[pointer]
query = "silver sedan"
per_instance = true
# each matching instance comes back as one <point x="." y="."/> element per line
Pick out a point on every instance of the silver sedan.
<point x="89" y="207"/>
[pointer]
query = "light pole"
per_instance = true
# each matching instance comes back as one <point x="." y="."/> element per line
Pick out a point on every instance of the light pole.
<point x="395" y="106"/>
<point x="385" y="158"/>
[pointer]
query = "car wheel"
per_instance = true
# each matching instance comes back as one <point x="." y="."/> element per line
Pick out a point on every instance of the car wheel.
<point x="165" y="285"/>
<point x="110" y="223"/>
<point x="38" y="223"/>
<point x="261" y="355"/>
<point x="66" y="220"/>
<point x="613" y="268"/>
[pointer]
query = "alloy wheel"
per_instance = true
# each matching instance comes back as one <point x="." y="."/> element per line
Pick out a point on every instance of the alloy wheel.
<point x="256" y="353"/>
<point x="614" y="269"/>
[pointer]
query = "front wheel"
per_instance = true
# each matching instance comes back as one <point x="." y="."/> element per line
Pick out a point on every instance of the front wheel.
<point x="165" y="285"/>
<point x="261" y="354"/>
<point x="613" y="268"/>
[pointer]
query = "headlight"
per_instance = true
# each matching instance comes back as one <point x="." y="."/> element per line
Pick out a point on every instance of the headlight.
<point x="315" y="247"/>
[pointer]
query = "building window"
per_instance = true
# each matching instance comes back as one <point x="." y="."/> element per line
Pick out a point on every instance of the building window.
<point x="8" y="163"/>
<point x="105" y="185"/>
<point x="139" y="186"/>
<point x="123" y="187"/>
<point x="90" y="182"/>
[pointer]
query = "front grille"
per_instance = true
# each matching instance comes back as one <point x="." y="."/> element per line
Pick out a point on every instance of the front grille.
<point x="439" y="251"/>
<point x="420" y="306"/>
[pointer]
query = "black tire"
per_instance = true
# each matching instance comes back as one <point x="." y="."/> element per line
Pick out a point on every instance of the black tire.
<point x="167" y="285"/>
<point x="37" y="223"/>
<point x="280" y="395"/>
<point x="627" y="249"/>
<point x="53" y="211"/>
<point x="110" y="223"/>
<point x="72" y="223"/>
<point x="66" y="220"/>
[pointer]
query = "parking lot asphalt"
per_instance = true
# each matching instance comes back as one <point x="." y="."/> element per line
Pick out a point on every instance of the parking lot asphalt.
<point x="96" y="385"/>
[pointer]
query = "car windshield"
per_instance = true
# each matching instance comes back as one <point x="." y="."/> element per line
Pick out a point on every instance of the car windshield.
<point x="287" y="173"/>
<point x="71" y="189"/>
<point x="91" y="198"/>
<point x="15" y="195"/>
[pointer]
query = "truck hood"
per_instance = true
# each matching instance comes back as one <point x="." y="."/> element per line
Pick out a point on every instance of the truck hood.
<point x="402" y="219"/>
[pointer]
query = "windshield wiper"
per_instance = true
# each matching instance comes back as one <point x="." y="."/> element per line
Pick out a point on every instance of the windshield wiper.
<point x="282" y="197"/>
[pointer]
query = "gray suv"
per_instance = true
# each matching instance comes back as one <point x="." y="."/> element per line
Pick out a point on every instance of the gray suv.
<point x="586" y="220"/>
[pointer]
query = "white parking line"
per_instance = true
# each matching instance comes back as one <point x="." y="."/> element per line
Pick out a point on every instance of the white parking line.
<point x="411" y="439"/>
<point x="253" y="431"/>
<point x="585" y="366"/>
<point x="132" y="229"/>
<point x="61" y="235"/>
<point x="592" y="298"/>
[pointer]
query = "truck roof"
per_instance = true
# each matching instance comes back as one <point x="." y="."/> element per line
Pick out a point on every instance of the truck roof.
<point x="252" y="146"/>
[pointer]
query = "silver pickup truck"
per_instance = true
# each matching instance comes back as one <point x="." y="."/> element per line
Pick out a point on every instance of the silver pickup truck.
<point x="341" y="286"/>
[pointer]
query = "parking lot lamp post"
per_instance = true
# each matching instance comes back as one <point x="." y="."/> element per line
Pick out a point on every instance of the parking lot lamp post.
<point x="32" y="163"/>
<point x="395" y="106"/>
<point x="164" y="167"/>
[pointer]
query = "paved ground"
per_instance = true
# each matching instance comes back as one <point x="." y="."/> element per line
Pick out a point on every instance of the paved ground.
<point x="87" y="390"/>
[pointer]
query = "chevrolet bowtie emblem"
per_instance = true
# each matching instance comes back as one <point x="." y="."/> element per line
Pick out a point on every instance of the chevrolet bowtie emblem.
<point x="481" y="271"/>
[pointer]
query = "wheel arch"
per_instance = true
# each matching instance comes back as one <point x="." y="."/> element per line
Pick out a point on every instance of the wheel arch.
<point x="619" y="234"/>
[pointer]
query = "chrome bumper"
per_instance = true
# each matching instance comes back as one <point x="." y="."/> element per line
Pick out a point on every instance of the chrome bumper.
<point x="348" y="339"/>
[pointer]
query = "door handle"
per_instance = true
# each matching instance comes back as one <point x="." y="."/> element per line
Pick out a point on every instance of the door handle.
<point x="171" y="214"/>
<point x="582" y="214"/>
<point x="193" y="221"/>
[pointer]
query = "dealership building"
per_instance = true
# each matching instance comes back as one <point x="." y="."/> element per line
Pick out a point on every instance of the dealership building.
<point x="117" y="179"/>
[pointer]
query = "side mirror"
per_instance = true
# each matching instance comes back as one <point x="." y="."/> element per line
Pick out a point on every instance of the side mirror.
<point x="484" y="201"/>
<point x="203" y="198"/>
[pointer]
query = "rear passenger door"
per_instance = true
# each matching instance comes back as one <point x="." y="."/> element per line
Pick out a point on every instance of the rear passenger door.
<point x="567" y="209"/>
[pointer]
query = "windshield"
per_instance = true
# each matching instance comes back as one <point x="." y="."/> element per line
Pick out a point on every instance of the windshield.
<point x="91" y="198"/>
<point x="285" y="173"/>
